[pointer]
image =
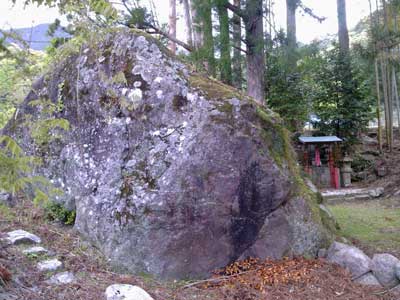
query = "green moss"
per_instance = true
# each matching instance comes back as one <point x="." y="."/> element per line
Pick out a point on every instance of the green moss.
<point x="225" y="107"/>
<point x="57" y="212"/>
<point x="6" y="213"/>
<point x="213" y="88"/>
<point x="277" y="138"/>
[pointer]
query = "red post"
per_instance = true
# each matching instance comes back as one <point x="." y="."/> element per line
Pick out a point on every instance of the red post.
<point x="333" y="171"/>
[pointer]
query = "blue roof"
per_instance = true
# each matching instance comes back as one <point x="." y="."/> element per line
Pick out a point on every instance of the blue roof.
<point x="319" y="139"/>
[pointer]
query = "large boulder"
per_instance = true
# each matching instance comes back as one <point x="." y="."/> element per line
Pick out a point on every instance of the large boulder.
<point x="349" y="257"/>
<point x="384" y="268"/>
<point x="170" y="172"/>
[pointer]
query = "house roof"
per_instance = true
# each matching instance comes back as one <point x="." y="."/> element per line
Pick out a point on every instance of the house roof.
<point x="319" y="139"/>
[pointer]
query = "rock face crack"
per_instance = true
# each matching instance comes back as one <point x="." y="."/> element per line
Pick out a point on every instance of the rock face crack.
<point x="257" y="200"/>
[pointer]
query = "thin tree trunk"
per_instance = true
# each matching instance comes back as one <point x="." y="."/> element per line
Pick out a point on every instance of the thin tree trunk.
<point x="188" y="22"/>
<point x="378" y="105"/>
<point x="386" y="77"/>
<point x="255" y="50"/>
<point x="396" y="96"/>
<point x="390" y="99"/>
<point x="291" y="7"/>
<point x="208" y="37"/>
<point x="197" y="24"/>
<point x="344" y="43"/>
<point x="225" y="60"/>
<point x="385" y="99"/>
<point x="172" y="24"/>
<point x="237" y="42"/>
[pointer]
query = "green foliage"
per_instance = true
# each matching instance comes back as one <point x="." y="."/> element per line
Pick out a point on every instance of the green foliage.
<point x="339" y="103"/>
<point x="47" y="127"/>
<point x="57" y="212"/>
<point x="287" y="85"/>
<point x="16" y="171"/>
<point x="17" y="72"/>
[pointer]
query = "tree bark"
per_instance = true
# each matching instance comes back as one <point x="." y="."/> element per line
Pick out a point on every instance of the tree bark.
<point x="344" y="43"/>
<point x="237" y="42"/>
<point x="188" y="22"/>
<point x="386" y="99"/>
<point x="208" y="37"/>
<point x="225" y="60"/>
<point x="378" y="105"/>
<point x="203" y="34"/>
<point x="197" y="24"/>
<point x="291" y="7"/>
<point x="172" y="25"/>
<point x="253" y="20"/>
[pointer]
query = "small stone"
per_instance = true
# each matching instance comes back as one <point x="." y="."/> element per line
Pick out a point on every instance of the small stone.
<point x="126" y="292"/>
<point x="62" y="278"/>
<point x="49" y="265"/>
<point x="19" y="236"/>
<point x="368" y="279"/>
<point x="322" y="253"/>
<point x="384" y="268"/>
<point x="7" y="296"/>
<point x="35" y="250"/>
<point x="376" y="193"/>
<point x="5" y="198"/>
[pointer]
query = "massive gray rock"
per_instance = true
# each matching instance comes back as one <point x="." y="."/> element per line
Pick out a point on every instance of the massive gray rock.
<point x="170" y="172"/>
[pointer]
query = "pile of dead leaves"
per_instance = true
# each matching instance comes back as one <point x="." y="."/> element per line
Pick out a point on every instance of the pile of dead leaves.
<point x="257" y="274"/>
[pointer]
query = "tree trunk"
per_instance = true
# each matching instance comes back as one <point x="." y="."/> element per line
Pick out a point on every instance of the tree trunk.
<point x="396" y="98"/>
<point x="237" y="42"/>
<point x="188" y="22"/>
<point x="208" y="37"/>
<point x="197" y="24"/>
<point x="203" y="34"/>
<point x="378" y="105"/>
<point x="225" y="60"/>
<point x="291" y="7"/>
<point x="253" y="19"/>
<point x="172" y="24"/>
<point x="386" y="99"/>
<point x="343" y="31"/>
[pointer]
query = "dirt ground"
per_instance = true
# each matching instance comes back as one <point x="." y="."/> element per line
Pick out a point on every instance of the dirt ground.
<point x="295" y="278"/>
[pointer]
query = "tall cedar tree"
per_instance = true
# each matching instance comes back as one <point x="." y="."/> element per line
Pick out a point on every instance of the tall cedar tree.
<point x="291" y="7"/>
<point x="203" y="33"/>
<point x="343" y="31"/>
<point x="188" y="22"/>
<point x="237" y="44"/>
<point x="252" y="16"/>
<point x="225" y="60"/>
<point x="172" y="25"/>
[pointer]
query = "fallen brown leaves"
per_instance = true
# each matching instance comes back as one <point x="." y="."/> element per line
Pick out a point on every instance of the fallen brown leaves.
<point x="257" y="274"/>
<point x="5" y="275"/>
<point x="296" y="278"/>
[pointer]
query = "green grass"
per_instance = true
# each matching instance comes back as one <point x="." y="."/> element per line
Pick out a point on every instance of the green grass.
<point x="371" y="224"/>
<point x="6" y="214"/>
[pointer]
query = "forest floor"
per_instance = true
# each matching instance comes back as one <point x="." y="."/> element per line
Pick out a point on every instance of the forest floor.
<point x="288" y="279"/>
